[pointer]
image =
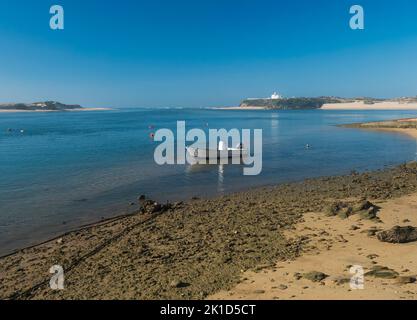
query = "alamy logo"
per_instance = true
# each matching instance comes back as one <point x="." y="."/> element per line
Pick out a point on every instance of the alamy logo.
<point x="357" y="21"/>
<point x="217" y="150"/>
<point x="357" y="282"/>
<point x="58" y="278"/>
<point x="57" y="20"/>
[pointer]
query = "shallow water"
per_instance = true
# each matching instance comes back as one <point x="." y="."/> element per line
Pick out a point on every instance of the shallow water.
<point x="69" y="169"/>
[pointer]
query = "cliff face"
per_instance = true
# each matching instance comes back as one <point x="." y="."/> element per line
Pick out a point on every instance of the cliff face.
<point x="47" y="105"/>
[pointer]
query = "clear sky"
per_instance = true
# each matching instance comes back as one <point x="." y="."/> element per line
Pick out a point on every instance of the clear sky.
<point x="204" y="52"/>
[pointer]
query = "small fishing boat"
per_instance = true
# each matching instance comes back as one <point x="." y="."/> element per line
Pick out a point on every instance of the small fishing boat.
<point x="221" y="153"/>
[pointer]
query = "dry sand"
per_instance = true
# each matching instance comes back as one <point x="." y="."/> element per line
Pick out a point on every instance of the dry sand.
<point x="401" y="126"/>
<point x="388" y="105"/>
<point x="332" y="248"/>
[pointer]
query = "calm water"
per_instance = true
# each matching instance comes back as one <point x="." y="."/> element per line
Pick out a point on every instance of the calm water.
<point x="69" y="169"/>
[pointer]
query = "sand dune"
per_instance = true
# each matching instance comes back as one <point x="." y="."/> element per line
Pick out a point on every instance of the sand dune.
<point x="401" y="126"/>
<point x="389" y="105"/>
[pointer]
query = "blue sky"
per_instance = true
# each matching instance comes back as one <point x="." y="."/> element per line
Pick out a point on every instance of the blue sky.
<point x="206" y="52"/>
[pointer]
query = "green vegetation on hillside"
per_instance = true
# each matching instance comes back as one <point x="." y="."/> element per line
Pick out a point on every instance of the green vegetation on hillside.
<point x="47" y="105"/>
<point x="305" y="103"/>
<point x="291" y="103"/>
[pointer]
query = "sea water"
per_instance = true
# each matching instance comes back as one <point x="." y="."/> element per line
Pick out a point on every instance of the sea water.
<point x="68" y="169"/>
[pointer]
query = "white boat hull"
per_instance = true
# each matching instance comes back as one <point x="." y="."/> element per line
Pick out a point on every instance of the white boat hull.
<point x="208" y="154"/>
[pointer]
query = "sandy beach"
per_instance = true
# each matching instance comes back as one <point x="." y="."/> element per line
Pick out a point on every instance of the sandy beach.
<point x="241" y="108"/>
<point x="289" y="241"/>
<point x="401" y="126"/>
<point x="334" y="245"/>
<point x="66" y="110"/>
<point x="360" y="105"/>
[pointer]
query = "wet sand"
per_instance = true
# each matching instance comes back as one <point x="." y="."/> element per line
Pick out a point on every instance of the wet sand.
<point x="194" y="249"/>
<point x="332" y="246"/>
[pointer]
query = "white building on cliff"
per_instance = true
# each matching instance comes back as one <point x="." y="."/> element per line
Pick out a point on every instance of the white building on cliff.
<point x="274" y="96"/>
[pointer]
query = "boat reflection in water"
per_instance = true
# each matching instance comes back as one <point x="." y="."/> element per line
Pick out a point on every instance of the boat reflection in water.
<point x="208" y="159"/>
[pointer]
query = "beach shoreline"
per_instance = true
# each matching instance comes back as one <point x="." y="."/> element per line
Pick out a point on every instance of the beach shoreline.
<point x="360" y="105"/>
<point x="209" y="248"/>
<point x="401" y="126"/>
<point x="66" y="110"/>
<point x="333" y="245"/>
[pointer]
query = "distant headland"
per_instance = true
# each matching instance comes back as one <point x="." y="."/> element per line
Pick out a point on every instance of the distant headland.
<point x="46" y="106"/>
<point x="279" y="102"/>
